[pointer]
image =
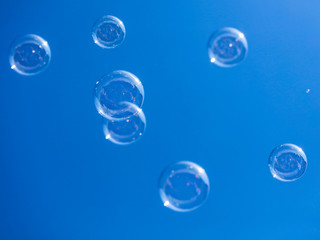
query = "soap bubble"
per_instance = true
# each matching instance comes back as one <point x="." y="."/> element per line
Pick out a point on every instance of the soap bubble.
<point x="227" y="47"/>
<point x="287" y="162"/>
<point x="113" y="89"/>
<point x="29" y="55"/>
<point x="128" y="130"/>
<point x="183" y="186"/>
<point x="108" y="32"/>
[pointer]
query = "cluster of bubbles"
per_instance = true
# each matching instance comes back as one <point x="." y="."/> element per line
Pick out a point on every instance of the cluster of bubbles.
<point x="119" y="96"/>
<point x="30" y="54"/>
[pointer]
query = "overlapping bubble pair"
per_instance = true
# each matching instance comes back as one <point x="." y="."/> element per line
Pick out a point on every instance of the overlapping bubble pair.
<point x="118" y="97"/>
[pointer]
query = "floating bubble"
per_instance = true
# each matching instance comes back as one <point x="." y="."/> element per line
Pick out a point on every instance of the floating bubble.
<point x="287" y="162"/>
<point x="113" y="89"/>
<point x="227" y="47"/>
<point x="108" y="32"/>
<point x="183" y="186"/>
<point x="29" y="55"/>
<point x="128" y="130"/>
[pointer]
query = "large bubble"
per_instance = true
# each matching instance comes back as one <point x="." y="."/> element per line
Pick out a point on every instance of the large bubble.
<point x="227" y="47"/>
<point x="115" y="88"/>
<point x="183" y="186"/>
<point x="29" y="55"/>
<point x="287" y="162"/>
<point x="108" y="32"/>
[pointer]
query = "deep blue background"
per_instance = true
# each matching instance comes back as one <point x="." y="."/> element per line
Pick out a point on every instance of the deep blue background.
<point x="59" y="177"/>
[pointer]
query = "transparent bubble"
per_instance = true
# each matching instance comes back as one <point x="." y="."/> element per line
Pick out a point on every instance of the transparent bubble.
<point x="108" y="32"/>
<point x="128" y="130"/>
<point x="183" y="186"/>
<point x="227" y="47"/>
<point x="29" y="55"/>
<point x="113" y="89"/>
<point x="287" y="162"/>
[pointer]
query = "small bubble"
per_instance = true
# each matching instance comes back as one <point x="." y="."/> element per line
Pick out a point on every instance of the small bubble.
<point x="108" y="32"/>
<point x="227" y="47"/>
<point x="287" y="162"/>
<point x="183" y="186"/>
<point x="29" y="55"/>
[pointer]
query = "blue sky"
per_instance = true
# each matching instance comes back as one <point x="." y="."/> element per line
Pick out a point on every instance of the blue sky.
<point x="59" y="177"/>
